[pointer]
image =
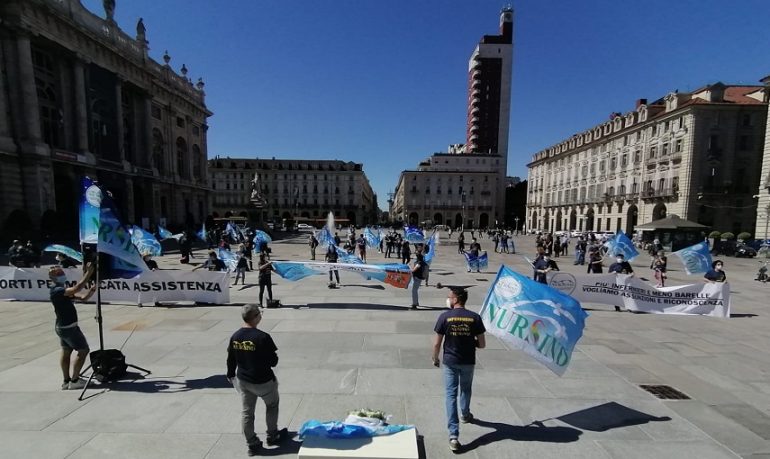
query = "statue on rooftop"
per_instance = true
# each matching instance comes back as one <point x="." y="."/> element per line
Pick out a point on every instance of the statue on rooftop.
<point x="109" y="9"/>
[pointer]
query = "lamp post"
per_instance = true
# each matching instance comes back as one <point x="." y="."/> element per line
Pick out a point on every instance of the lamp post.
<point x="462" y="196"/>
<point x="517" y="225"/>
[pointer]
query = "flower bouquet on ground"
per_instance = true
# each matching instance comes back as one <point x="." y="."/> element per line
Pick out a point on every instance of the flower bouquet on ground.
<point x="363" y="423"/>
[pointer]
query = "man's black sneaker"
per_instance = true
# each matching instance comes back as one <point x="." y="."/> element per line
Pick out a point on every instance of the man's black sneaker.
<point x="466" y="419"/>
<point x="279" y="437"/>
<point x="617" y="308"/>
<point x="454" y="445"/>
<point x="255" y="449"/>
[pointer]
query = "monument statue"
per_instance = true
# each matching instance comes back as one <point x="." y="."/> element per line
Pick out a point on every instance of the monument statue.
<point x="140" y="30"/>
<point x="256" y="192"/>
<point x="109" y="9"/>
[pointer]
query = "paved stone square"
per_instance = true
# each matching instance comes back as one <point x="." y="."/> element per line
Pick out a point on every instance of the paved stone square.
<point x="361" y="346"/>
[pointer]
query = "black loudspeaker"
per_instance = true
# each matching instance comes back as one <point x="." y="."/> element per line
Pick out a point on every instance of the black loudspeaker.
<point x="108" y="365"/>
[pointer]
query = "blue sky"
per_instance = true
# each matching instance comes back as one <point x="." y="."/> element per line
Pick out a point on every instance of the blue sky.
<point x="384" y="83"/>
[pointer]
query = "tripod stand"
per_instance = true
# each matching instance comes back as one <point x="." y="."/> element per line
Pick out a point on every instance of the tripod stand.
<point x="100" y="358"/>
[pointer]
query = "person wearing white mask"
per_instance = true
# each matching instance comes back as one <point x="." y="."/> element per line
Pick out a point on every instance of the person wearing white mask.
<point x="70" y="336"/>
<point x="621" y="266"/>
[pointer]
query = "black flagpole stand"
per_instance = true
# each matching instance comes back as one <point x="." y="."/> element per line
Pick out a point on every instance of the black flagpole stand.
<point x="100" y="324"/>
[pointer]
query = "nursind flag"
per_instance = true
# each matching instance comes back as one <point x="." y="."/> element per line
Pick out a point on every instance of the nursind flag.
<point x="114" y="238"/>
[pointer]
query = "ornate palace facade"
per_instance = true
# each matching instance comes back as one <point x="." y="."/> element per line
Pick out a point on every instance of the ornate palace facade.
<point x="697" y="155"/>
<point x="78" y="96"/>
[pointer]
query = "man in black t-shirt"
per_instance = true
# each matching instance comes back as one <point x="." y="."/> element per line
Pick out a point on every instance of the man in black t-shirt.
<point x="213" y="263"/>
<point x="70" y="336"/>
<point x="461" y="331"/>
<point x="251" y="356"/>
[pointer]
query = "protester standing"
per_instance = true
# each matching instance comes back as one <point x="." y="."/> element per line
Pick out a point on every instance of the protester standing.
<point x="251" y="356"/>
<point x="406" y="252"/>
<point x="621" y="266"/>
<point x="213" y="263"/>
<point x="659" y="265"/>
<point x="418" y="274"/>
<point x="66" y="327"/>
<point x="716" y="274"/>
<point x="313" y="245"/>
<point x="265" y="277"/>
<point x="331" y="257"/>
<point x="461" y="332"/>
<point x="240" y="269"/>
<point x="595" y="262"/>
<point x="461" y="243"/>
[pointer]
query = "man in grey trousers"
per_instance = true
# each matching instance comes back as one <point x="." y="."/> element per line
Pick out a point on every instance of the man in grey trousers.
<point x="251" y="355"/>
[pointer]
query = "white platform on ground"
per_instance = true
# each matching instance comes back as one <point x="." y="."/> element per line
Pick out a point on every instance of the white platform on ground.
<point x="401" y="445"/>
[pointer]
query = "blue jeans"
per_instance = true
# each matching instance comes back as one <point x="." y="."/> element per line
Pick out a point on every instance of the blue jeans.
<point x="454" y="376"/>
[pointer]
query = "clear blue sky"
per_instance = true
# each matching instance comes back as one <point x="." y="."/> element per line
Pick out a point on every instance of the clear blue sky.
<point x="384" y="83"/>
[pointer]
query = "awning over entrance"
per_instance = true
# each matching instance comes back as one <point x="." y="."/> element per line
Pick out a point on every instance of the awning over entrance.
<point x="672" y="222"/>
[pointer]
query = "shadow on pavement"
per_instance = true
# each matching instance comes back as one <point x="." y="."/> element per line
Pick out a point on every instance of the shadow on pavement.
<point x="610" y="415"/>
<point x="538" y="432"/>
<point x="363" y="306"/>
<point x="289" y="446"/>
<point x="741" y="316"/>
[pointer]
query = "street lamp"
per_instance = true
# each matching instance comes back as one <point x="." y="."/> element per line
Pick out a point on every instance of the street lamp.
<point x="517" y="225"/>
<point x="462" y="196"/>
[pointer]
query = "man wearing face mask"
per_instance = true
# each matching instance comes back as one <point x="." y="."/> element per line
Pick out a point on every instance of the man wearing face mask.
<point x="716" y="274"/>
<point x="621" y="266"/>
<point x="70" y="336"/>
<point x="212" y="264"/>
<point x="461" y="332"/>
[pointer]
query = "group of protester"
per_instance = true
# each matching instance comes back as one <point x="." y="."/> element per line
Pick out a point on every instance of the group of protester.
<point x="23" y="255"/>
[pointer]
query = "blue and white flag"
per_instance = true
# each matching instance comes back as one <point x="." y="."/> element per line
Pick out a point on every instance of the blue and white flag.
<point x="621" y="244"/>
<point x="90" y="200"/>
<point x="696" y="258"/>
<point x="325" y="238"/>
<point x="203" y="235"/>
<point x="145" y="242"/>
<point x="397" y="275"/>
<point x="164" y="233"/>
<point x="414" y="235"/>
<point x="345" y="257"/>
<point x="115" y="240"/>
<point x="72" y="253"/>
<point x="431" y="248"/>
<point x="540" y="320"/>
<point x="230" y="260"/>
<point x="478" y="263"/>
<point x="372" y="239"/>
<point x="260" y="237"/>
<point x="233" y="232"/>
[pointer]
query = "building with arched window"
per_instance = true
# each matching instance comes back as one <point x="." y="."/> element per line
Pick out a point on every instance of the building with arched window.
<point x="79" y="96"/>
<point x="697" y="155"/>
<point x="292" y="189"/>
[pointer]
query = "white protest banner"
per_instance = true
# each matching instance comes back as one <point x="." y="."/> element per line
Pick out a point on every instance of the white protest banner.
<point x="32" y="284"/>
<point x="634" y="294"/>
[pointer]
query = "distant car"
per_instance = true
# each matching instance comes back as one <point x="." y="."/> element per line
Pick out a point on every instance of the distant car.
<point x="561" y="233"/>
<point x="304" y="226"/>
<point x="576" y="233"/>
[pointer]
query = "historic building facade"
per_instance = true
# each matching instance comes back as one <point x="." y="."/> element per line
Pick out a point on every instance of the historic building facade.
<point x="466" y="186"/>
<point x="762" y="230"/>
<point x="78" y="96"/>
<point x="696" y="155"/>
<point x="291" y="189"/>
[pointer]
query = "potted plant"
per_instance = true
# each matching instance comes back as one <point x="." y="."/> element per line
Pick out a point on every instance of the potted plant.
<point x="744" y="236"/>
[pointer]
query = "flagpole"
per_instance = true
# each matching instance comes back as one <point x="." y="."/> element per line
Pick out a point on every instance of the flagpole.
<point x="99" y="304"/>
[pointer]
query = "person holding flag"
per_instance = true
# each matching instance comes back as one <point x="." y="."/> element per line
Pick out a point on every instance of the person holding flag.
<point x="461" y="332"/>
<point x="716" y="273"/>
<point x="621" y="266"/>
<point x="266" y="269"/>
<point x="70" y="336"/>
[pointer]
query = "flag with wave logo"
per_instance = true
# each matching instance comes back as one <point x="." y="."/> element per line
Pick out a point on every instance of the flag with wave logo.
<point x="325" y="238"/>
<point x="229" y="259"/>
<point x="350" y="258"/>
<point x="621" y="244"/>
<point x="696" y="258"/>
<point x="372" y="239"/>
<point x="476" y="263"/>
<point x="431" y="247"/>
<point x="260" y="237"/>
<point x="414" y="235"/>
<point x="63" y="249"/>
<point x="233" y="232"/>
<point x="115" y="240"/>
<point x="542" y="321"/>
<point x="145" y="242"/>
<point x="164" y="233"/>
<point x="90" y="201"/>
<point x="397" y="275"/>
<point x="203" y="235"/>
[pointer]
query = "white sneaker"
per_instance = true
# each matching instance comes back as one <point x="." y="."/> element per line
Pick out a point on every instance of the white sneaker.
<point x="77" y="384"/>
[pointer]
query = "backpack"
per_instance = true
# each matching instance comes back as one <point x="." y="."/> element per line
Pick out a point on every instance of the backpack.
<point x="108" y="365"/>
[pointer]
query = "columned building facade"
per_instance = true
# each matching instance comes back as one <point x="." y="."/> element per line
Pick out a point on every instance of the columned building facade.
<point x="78" y="96"/>
<point x="697" y="155"/>
<point x="762" y="230"/>
<point x="292" y="189"/>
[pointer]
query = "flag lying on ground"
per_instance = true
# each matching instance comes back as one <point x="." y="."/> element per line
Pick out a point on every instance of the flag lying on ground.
<point x="202" y="234"/>
<point x="115" y="240"/>
<point x="696" y="258"/>
<point x="396" y="275"/>
<point x="540" y="320"/>
<point x="431" y="248"/>
<point x="90" y="200"/>
<point x="372" y="239"/>
<point x="145" y="242"/>
<point x="414" y="235"/>
<point x="260" y="237"/>
<point x="473" y="263"/>
<point x="230" y="260"/>
<point x="72" y="253"/>
<point x="164" y="233"/>
<point x="621" y="244"/>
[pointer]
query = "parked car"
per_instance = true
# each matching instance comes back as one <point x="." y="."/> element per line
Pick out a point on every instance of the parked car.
<point x="561" y="233"/>
<point x="304" y="226"/>
<point x="576" y="233"/>
<point x="744" y="251"/>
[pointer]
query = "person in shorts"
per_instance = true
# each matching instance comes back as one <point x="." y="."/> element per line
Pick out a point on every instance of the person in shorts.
<point x="66" y="326"/>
